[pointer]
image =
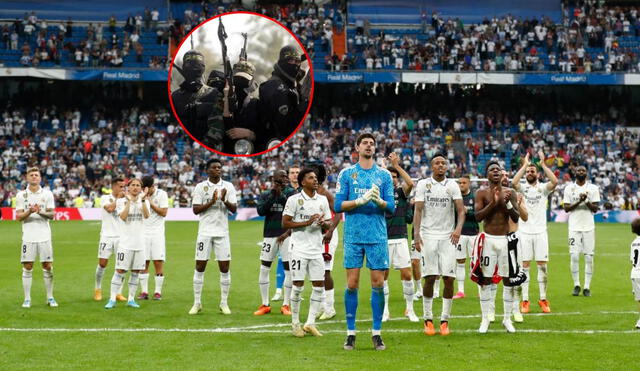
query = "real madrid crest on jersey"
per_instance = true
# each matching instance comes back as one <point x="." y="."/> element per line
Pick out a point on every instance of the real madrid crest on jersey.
<point x="206" y="188"/>
<point x="354" y="176"/>
<point x="300" y="201"/>
<point x="428" y="185"/>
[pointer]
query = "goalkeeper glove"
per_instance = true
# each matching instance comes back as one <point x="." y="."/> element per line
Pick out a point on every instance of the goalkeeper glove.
<point x="376" y="196"/>
<point x="365" y="198"/>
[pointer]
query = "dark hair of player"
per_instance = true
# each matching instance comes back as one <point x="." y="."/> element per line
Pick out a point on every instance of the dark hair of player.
<point x="213" y="161"/>
<point x="438" y="154"/>
<point x="147" y="181"/>
<point x="635" y="226"/>
<point x="303" y="173"/>
<point x="486" y="169"/>
<point x="364" y="136"/>
<point x="392" y="169"/>
<point x="117" y="179"/>
<point x="320" y="170"/>
<point x="466" y="176"/>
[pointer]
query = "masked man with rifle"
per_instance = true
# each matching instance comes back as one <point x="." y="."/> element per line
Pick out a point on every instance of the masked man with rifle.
<point x="199" y="106"/>
<point x="284" y="97"/>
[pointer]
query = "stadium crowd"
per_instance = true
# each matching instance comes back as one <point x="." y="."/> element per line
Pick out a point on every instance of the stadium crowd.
<point x="591" y="38"/>
<point x="78" y="152"/>
<point x="44" y="44"/>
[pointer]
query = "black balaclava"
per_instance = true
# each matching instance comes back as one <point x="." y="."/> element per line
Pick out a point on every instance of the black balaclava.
<point x="192" y="70"/>
<point x="289" y="70"/>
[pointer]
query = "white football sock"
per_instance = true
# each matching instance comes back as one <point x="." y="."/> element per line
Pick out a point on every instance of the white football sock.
<point x="99" y="275"/>
<point x="116" y="285"/>
<point x="295" y="303"/>
<point x="286" y="299"/>
<point x="133" y="285"/>
<point x="27" y="278"/>
<point x="436" y="288"/>
<point x="407" y="290"/>
<point x="542" y="281"/>
<point x="144" y="282"/>
<point x="385" y="290"/>
<point x="225" y="285"/>
<point x="460" y="273"/>
<point x="517" y="296"/>
<point x="588" y="270"/>
<point x="263" y="282"/>
<point x="485" y="300"/>
<point x="494" y="290"/>
<point x="48" y="282"/>
<point x="198" y="282"/>
<point x="159" y="283"/>
<point x="575" y="269"/>
<point x="315" y="304"/>
<point x="329" y="300"/>
<point x="417" y="284"/>
<point x="446" y="309"/>
<point x="427" y="308"/>
<point x="507" y="301"/>
<point x="525" y="285"/>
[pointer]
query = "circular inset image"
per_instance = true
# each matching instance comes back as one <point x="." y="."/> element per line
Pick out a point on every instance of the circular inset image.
<point x="240" y="84"/>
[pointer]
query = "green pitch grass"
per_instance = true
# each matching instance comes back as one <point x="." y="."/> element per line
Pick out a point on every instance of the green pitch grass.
<point x="585" y="333"/>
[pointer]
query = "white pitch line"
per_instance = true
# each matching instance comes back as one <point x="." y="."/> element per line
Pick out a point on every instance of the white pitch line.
<point x="266" y="327"/>
<point x="257" y="331"/>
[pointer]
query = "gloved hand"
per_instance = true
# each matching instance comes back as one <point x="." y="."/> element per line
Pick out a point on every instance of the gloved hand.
<point x="368" y="196"/>
<point x="376" y="196"/>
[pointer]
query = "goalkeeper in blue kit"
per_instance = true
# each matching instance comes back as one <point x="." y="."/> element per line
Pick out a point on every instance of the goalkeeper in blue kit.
<point x="364" y="192"/>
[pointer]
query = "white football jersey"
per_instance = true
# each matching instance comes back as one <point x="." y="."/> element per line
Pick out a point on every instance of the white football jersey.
<point x="214" y="222"/>
<point x="439" y="212"/>
<point x="536" y="199"/>
<point x="635" y="258"/>
<point x="132" y="229"/>
<point x="35" y="228"/>
<point x="307" y="241"/>
<point x="110" y="220"/>
<point x="581" y="219"/>
<point x="154" y="224"/>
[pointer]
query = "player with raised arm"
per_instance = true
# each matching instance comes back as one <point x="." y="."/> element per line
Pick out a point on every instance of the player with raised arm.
<point x="581" y="200"/>
<point x="517" y="276"/>
<point x="438" y="201"/>
<point x="34" y="208"/>
<point x="154" y="241"/>
<point x="470" y="231"/>
<point x="364" y="193"/>
<point x="635" y="263"/>
<point x="213" y="199"/>
<point x="534" y="240"/>
<point x="109" y="234"/>
<point x="276" y="240"/>
<point x="494" y="206"/>
<point x="399" y="256"/>
<point x="307" y="214"/>
<point x="330" y="243"/>
<point x="132" y="209"/>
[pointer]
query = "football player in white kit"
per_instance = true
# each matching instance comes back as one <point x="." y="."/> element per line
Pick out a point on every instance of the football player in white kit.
<point x="34" y="208"/>
<point x="132" y="209"/>
<point x="581" y="200"/>
<point x="307" y="213"/>
<point x="635" y="263"/>
<point x="213" y="199"/>
<point x="533" y="232"/>
<point x="154" y="241"/>
<point x="329" y="243"/>
<point x="109" y="234"/>
<point x="438" y="199"/>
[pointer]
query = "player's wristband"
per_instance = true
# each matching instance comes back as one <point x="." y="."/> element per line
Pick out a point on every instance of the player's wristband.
<point x="509" y="205"/>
